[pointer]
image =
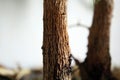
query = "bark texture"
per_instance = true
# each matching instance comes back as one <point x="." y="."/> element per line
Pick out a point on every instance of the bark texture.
<point x="56" y="51"/>
<point x="97" y="65"/>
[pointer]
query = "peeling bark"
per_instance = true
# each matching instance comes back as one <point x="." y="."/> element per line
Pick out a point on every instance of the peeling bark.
<point x="56" y="51"/>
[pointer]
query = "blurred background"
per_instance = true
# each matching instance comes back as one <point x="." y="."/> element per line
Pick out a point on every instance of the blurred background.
<point x="21" y="31"/>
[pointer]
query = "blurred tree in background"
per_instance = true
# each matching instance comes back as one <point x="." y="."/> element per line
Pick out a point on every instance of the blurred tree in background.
<point x="97" y="65"/>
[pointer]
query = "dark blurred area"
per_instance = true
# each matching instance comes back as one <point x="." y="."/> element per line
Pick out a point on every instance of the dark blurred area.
<point x="37" y="73"/>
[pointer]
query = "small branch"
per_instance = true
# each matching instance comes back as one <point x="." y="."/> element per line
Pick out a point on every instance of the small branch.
<point x="79" y="25"/>
<point x="73" y="71"/>
<point x="77" y="62"/>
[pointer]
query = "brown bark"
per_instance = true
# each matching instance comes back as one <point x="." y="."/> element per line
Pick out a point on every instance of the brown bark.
<point x="97" y="65"/>
<point x="56" y="51"/>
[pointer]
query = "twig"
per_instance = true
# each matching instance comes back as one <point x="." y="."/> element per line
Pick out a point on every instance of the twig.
<point x="76" y="60"/>
<point x="79" y="25"/>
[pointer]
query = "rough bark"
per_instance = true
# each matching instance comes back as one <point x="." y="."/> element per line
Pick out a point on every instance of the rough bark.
<point x="56" y="51"/>
<point x="97" y="65"/>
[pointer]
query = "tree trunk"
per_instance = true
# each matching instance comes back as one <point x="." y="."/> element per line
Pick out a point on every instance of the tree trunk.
<point x="56" y="51"/>
<point x="97" y="65"/>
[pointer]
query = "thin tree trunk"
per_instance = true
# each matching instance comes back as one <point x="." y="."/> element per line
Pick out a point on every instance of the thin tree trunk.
<point x="56" y="51"/>
<point x="97" y="65"/>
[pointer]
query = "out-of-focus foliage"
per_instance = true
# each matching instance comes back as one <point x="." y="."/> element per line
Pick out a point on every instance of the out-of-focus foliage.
<point x="37" y="74"/>
<point x="20" y="74"/>
<point x="88" y="4"/>
<point x="95" y="1"/>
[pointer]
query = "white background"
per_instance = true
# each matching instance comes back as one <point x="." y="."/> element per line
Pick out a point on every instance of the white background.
<point x="21" y="29"/>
